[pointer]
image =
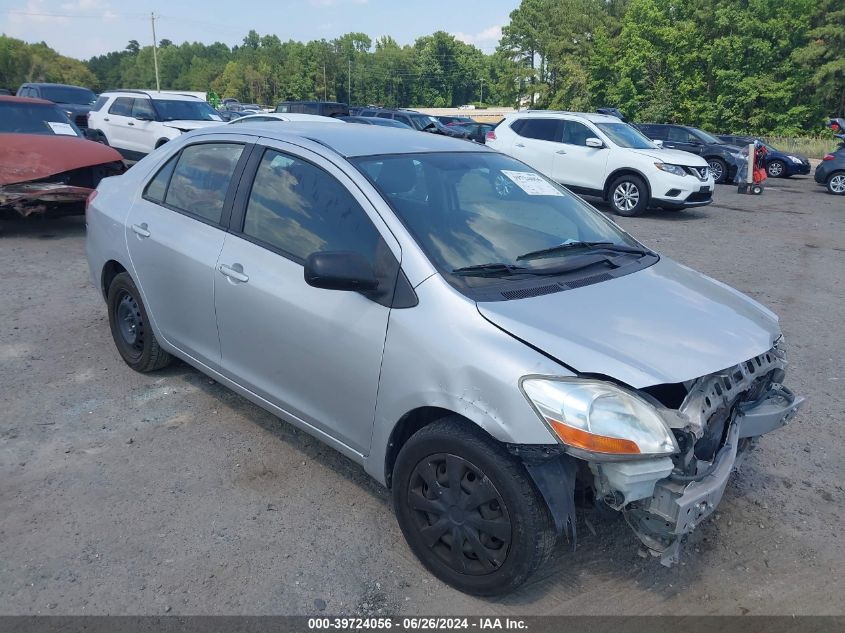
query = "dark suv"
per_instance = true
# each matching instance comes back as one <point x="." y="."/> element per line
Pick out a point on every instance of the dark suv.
<point x="322" y="108"/>
<point x="417" y="121"/>
<point x="74" y="101"/>
<point x="724" y="159"/>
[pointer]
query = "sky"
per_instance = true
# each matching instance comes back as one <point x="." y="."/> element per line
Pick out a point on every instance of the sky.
<point x="84" y="28"/>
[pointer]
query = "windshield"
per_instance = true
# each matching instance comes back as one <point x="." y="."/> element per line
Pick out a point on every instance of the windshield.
<point x="705" y="137"/>
<point x="470" y="209"/>
<point x="35" y="118"/>
<point x="625" y="135"/>
<point x="185" y="110"/>
<point x="68" y="94"/>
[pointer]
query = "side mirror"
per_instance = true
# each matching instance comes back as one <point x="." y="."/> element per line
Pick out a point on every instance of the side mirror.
<point x="594" y="142"/>
<point x="658" y="142"/>
<point x="340" y="270"/>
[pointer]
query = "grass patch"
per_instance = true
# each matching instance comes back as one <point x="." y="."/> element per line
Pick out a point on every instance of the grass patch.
<point x="809" y="146"/>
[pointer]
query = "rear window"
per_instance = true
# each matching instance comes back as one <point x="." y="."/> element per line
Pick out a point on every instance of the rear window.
<point x="68" y="94"/>
<point x="201" y="179"/>
<point x="122" y="106"/>
<point x="157" y="188"/>
<point x="101" y="101"/>
<point x="540" y="129"/>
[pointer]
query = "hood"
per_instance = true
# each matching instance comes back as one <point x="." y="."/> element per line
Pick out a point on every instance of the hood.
<point x="187" y="125"/>
<point x="673" y="157"/>
<point x="25" y="157"/>
<point x="664" y="324"/>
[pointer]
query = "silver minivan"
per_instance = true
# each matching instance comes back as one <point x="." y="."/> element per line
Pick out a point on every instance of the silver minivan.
<point x="489" y="353"/>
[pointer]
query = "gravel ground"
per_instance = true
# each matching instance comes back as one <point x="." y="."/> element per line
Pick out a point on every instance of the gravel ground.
<point x="123" y="493"/>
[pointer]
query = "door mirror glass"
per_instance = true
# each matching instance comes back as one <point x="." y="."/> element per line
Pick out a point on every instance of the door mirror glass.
<point x="594" y="142"/>
<point x="340" y="270"/>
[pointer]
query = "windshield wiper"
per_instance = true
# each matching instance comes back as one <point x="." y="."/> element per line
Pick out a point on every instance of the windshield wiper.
<point x="497" y="269"/>
<point x="604" y="246"/>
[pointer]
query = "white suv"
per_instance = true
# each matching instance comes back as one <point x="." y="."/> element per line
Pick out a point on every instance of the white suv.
<point x="599" y="155"/>
<point x="135" y="122"/>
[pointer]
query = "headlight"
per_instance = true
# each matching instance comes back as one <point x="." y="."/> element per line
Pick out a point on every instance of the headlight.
<point x="796" y="160"/>
<point x="599" y="417"/>
<point x="671" y="169"/>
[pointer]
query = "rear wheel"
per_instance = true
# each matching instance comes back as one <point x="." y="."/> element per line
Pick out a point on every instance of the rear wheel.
<point x="719" y="169"/>
<point x="628" y="195"/>
<point x="130" y="327"/>
<point x="776" y="169"/>
<point x="836" y="183"/>
<point x="469" y="510"/>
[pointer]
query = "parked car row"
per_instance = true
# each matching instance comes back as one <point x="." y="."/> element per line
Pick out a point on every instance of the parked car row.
<point x="520" y="364"/>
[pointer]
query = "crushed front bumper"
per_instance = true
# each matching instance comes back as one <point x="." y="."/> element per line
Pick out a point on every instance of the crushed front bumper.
<point x="680" y="504"/>
<point x="38" y="197"/>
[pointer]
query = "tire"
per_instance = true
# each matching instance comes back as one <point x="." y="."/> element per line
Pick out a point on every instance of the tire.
<point x="776" y="169"/>
<point x="512" y="508"/>
<point x="160" y="142"/>
<point x="130" y="327"/>
<point x="628" y="195"/>
<point x="836" y="183"/>
<point x="719" y="169"/>
<point x="103" y="139"/>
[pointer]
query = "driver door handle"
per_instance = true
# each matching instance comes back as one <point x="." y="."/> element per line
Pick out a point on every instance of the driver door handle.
<point x="561" y="151"/>
<point x="132" y="124"/>
<point x="232" y="273"/>
<point x="519" y="145"/>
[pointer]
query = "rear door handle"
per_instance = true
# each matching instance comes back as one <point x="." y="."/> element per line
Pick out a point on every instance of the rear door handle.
<point x="105" y="118"/>
<point x="561" y="151"/>
<point x="141" y="229"/>
<point x="519" y="145"/>
<point x="132" y="124"/>
<point x="233" y="273"/>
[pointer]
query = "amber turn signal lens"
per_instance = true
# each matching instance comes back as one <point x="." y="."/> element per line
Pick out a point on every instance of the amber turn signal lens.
<point x="594" y="443"/>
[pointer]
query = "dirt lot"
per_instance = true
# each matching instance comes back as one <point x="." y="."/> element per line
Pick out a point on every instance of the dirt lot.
<point x="123" y="493"/>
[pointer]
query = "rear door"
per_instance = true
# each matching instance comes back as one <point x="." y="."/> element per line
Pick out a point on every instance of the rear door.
<point x="141" y="126"/>
<point x="678" y="137"/>
<point x="174" y="234"/>
<point x="314" y="353"/>
<point x="117" y="130"/>
<point x="537" y="143"/>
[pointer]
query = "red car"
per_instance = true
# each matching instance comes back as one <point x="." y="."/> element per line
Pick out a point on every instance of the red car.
<point x="46" y="163"/>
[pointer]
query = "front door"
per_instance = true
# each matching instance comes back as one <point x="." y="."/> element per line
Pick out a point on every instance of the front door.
<point x="315" y="353"/>
<point x="174" y="234"/>
<point x="576" y="164"/>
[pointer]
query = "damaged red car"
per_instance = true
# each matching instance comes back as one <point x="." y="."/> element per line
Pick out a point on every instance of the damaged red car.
<point x="47" y="166"/>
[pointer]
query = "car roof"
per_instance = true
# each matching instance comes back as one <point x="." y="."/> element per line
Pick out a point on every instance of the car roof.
<point x="286" y="116"/>
<point x="589" y="116"/>
<point x="356" y="140"/>
<point x="13" y="99"/>
<point x="153" y="94"/>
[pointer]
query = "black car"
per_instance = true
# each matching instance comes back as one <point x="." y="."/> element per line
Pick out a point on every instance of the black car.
<point x="374" y="120"/>
<point x="416" y="120"/>
<point x="778" y="164"/>
<point x="477" y="131"/>
<point x="724" y="159"/>
<point x="831" y="171"/>
<point x="74" y="101"/>
<point x="449" y="120"/>
<point x="322" y="108"/>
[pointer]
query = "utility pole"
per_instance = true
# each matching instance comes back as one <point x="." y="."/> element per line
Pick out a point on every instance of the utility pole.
<point x="155" y="45"/>
<point x="481" y="100"/>
<point x="349" y="76"/>
<point x="325" y="86"/>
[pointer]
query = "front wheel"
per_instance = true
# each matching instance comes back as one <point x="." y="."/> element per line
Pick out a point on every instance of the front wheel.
<point x="719" y="169"/>
<point x="469" y="510"/>
<point x="130" y="327"/>
<point x="628" y="195"/>
<point x="836" y="183"/>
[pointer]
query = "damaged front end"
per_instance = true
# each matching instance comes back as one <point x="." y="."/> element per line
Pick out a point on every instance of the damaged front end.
<point x="665" y="498"/>
<point x="59" y="194"/>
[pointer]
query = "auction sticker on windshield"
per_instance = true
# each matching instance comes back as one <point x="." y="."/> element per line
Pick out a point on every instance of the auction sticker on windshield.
<point x="532" y="184"/>
<point x="61" y="128"/>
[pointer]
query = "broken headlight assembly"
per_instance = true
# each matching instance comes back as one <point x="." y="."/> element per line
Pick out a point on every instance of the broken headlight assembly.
<point x="597" y="420"/>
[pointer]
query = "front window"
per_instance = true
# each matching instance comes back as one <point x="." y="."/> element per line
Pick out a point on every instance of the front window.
<point x="178" y="110"/>
<point x="420" y="121"/>
<point x="68" y="94"/>
<point x="704" y="137"/>
<point x="624" y="135"/>
<point x="35" y="118"/>
<point x="473" y="209"/>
